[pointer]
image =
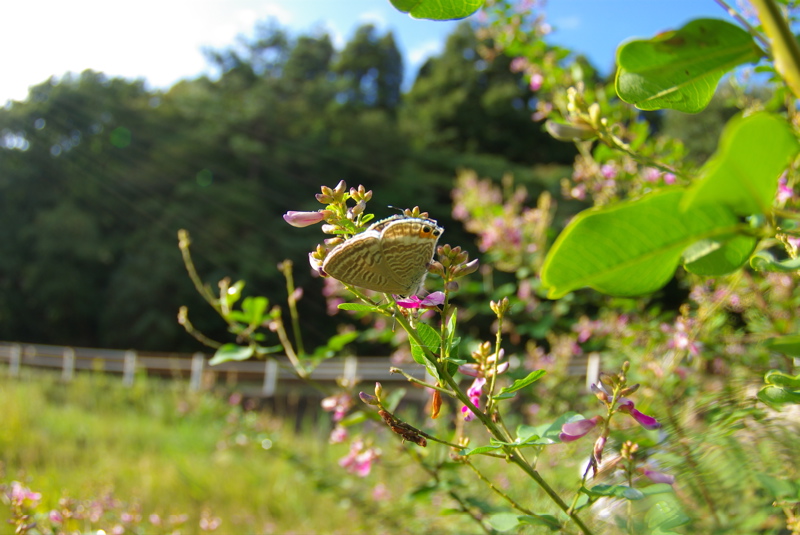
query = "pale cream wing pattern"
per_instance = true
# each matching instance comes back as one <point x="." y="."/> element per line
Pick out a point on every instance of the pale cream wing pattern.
<point x="408" y="246"/>
<point x="359" y="262"/>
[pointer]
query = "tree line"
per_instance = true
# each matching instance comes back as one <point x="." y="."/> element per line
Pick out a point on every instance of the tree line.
<point x="98" y="174"/>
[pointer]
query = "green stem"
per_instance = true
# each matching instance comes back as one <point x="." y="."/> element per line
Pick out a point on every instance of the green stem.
<point x="412" y="379"/>
<point x="784" y="48"/>
<point x="286" y="267"/>
<point x="512" y="453"/>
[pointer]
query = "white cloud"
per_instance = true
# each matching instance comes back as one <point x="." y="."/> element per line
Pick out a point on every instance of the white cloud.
<point x="376" y="18"/>
<point x="421" y="52"/>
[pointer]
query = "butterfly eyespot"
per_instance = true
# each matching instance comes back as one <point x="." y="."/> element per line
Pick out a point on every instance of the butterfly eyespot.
<point x="426" y="229"/>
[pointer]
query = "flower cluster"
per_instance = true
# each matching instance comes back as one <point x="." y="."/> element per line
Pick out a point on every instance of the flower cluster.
<point x="487" y="363"/>
<point x="360" y="458"/>
<point x="615" y="402"/>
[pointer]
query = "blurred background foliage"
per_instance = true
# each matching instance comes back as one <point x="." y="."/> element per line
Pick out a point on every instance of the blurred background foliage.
<point x="97" y="175"/>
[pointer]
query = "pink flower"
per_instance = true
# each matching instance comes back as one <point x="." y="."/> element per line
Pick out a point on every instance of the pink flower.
<point x="474" y="394"/>
<point x="56" y="517"/>
<point x="339" y="404"/>
<point x="785" y="193"/>
<point x="574" y="430"/>
<point x="518" y="64"/>
<point x="651" y="174"/>
<point x="648" y="422"/>
<point x="431" y="301"/>
<point x="303" y="219"/>
<point x="359" y="460"/>
<point x="669" y="178"/>
<point x="20" y="494"/>
<point x="536" y="81"/>
<point x="338" y="435"/>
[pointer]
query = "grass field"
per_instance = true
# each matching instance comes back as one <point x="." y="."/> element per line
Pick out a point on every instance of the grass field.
<point x="198" y="462"/>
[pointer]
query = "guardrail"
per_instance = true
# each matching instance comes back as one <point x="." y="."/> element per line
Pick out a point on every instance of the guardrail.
<point x="195" y="367"/>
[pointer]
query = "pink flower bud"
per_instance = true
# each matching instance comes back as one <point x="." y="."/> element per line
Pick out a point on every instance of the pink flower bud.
<point x="575" y="430"/>
<point x="303" y="219"/>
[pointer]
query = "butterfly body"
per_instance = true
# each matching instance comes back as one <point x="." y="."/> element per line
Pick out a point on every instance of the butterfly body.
<point x="391" y="256"/>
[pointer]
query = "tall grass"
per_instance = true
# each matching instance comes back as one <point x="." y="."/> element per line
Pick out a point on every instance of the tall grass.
<point x="161" y="449"/>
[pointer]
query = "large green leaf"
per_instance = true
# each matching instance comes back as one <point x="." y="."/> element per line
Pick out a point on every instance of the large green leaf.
<point x="788" y="345"/>
<point x="743" y="173"/>
<point x="633" y="247"/>
<point x="680" y="69"/>
<point x="715" y="258"/>
<point x="438" y="9"/>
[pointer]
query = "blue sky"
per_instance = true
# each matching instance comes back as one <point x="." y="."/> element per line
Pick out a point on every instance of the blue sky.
<point x="161" y="40"/>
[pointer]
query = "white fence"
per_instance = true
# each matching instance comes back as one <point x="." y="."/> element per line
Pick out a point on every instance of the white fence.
<point x="195" y="367"/>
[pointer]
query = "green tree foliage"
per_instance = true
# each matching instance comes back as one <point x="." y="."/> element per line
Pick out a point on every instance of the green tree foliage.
<point x="465" y="103"/>
<point x="97" y="175"/>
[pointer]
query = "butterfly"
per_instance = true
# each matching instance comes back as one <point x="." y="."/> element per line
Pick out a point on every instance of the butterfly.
<point x="391" y="256"/>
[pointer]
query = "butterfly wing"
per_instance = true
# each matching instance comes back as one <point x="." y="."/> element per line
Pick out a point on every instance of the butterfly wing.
<point x="359" y="262"/>
<point x="407" y="247"/>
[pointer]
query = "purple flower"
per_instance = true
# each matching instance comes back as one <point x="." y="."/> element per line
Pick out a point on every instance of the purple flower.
<point x="648" y="422"/>
<point x="474" y="393"/>
<point x="608" y="171"/>
<point x="574" y="430"/>
<point x="304" y="219"/>
<point x="659" y="477"/>
<point x="431" y="301"/>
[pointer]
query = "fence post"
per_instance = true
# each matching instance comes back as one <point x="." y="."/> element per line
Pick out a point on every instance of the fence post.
<point x="198" y="362"/>
<point x="68" y="364"/>
<point x="592" y="370"/>
<point x="350" y="369"/>
<point x="270" y="378"/>
<point x="14" y="360"/>
<point x="129" y="368"/>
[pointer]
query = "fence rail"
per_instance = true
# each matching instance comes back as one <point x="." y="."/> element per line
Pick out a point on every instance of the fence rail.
<point x="195" y="367"/>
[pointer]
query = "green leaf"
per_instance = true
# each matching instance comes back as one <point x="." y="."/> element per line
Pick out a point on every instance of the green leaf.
<point x="775" y="395"/>
<point x="480" y="449"/>
<point x="619" y="491"/>
<point x="335" y="344"/>
<point x="777" y="488"/>
<point x="743" y="173"/>
<point x="778" y="378"/>
<point x="430" y="340"/>
<point x="765" y="261"/>
<point x="254" y="308"/>
<point x="438" y="9"/>
<point x="519" y="384"/>
<point x="359" y="307"/>
<point x="788" y="345"/>
<point x="504" y="521"/>
<point x="541" y="520"/>
<point x="665" y="515"/>
<point x="231" y="352"/>
<point x="714" y="258"/>
<point x="630" y="248"/>
<point x="680" y="69"/>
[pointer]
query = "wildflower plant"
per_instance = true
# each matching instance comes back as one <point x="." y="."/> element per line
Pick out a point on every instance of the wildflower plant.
<point x="726" y="230"/>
